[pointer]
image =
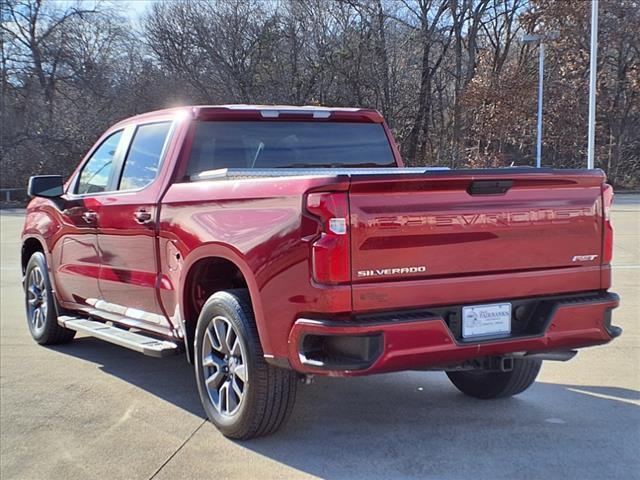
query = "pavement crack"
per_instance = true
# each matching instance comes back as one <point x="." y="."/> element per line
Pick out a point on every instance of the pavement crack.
<point x="177" y="450"/>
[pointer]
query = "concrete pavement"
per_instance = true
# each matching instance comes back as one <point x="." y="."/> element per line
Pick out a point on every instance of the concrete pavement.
<point x="93" y="410"/>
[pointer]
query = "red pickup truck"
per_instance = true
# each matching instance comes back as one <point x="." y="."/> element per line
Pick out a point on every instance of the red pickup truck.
<point x="270" y="244"/>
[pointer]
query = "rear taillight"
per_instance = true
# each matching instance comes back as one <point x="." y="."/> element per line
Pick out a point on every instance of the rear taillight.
<point x="330" y="252"/>
<point x="607" y="236"/>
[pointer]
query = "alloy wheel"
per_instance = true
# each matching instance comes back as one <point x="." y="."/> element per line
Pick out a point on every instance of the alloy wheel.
<point x="37" y="299"/>
<point x="224" y="366"/>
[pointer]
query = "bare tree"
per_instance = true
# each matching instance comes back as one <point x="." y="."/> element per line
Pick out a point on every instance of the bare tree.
<point x="450" y="76"/>
<point x="40" y="34"/>
<point x="426" y="17"/>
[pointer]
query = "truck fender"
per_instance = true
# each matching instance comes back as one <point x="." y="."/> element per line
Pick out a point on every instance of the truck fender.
<point x="232" y="255"/>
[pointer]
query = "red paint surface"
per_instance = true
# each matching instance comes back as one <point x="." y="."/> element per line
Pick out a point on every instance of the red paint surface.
<point x="429" y="342"/>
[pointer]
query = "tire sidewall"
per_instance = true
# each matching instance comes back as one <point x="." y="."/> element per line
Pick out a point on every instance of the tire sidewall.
<point x="226" y="305"/>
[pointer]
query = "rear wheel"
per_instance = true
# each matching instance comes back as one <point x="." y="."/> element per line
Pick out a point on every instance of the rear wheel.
<point x="489" y="384"/>
<point x="42" y="316"/>
<point x="243" y="396"/>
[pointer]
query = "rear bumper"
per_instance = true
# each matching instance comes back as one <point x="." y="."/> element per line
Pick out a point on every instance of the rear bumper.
<point x="429" y="338"/>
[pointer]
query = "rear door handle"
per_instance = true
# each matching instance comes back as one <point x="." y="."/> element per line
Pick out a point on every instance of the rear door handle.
<point x="90" y="216"/>
<point x="142" y="216"/>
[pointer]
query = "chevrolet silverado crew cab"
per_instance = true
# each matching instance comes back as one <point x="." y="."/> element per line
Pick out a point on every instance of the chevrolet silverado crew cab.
<point x="269" y="244"/>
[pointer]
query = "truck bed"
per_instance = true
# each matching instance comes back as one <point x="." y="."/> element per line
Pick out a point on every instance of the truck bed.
<point x="425" y="237"/>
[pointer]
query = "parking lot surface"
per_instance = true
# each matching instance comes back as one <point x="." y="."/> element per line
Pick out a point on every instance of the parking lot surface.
<point x="89" y="409"/>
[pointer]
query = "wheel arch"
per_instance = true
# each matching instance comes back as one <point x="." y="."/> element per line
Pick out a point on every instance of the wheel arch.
<point x="212" y="268"/>
<point x="30" y="245"/>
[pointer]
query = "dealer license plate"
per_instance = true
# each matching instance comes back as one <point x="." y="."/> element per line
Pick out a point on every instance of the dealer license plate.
<point x="486" y="320"/>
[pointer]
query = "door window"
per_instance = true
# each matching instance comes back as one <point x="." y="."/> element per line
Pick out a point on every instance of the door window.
<point x="94" y="176"/>
<point x="143" y="159"/>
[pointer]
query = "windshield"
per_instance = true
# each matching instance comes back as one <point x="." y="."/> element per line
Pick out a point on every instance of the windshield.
<point x="288" y="145"/>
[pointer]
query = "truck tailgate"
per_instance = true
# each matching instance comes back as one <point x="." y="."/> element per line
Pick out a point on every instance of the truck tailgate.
<point x="468" y="227"/>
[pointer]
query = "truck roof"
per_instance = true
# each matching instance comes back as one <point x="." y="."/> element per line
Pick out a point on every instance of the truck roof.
<point x="248" y="112"/>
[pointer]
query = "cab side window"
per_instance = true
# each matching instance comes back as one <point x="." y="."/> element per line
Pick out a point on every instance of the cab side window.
<point x="95" y="174"/>
<point x="143" y="159"/>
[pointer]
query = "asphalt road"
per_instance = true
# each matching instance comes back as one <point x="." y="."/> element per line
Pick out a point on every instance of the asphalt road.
<point x="93" y="410"/>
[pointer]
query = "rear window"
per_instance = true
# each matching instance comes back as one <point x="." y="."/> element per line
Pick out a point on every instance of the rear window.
<point x="288" y="145"/>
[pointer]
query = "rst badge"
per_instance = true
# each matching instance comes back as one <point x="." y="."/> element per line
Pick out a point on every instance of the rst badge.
<point x="584" y="258"/>
<point x="383" y="272"/>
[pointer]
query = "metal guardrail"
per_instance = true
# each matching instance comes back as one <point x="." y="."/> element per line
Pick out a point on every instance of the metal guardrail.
<point x="5" y="193"/>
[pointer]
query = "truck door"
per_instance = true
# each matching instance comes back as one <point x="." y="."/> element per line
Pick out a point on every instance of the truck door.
<point x="76" y="258"/>
<point x="126" y="230"/>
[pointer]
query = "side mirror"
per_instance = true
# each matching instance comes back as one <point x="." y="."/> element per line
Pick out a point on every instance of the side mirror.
<point x="47" y="186"/>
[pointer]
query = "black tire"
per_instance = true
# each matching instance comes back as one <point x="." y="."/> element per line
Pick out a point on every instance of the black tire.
<point x="486" y="385"/>
<point x="39" y="297"/>
<point x="269" y="393"/>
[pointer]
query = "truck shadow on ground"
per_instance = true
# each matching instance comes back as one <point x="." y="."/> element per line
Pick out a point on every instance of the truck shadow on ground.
<point x="416" y="425"/>
<point x="169" y="378"/>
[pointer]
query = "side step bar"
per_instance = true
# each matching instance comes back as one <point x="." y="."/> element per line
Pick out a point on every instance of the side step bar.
<point x="133" y="341"/>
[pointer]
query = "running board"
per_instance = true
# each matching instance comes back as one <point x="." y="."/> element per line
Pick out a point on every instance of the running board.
<point x="133" y="341"/>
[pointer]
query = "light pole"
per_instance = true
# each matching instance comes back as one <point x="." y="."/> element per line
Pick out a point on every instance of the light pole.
<point x="593" y="66"/>
<point x="539" y="40"/>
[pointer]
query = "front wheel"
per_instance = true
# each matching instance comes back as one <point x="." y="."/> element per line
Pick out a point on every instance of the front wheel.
<point x="486" y="385"/>
<point x="243" y="396"/>
<point x="42" y="317"/>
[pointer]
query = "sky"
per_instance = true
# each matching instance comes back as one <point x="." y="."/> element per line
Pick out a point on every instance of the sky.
<point x="133" y="9"/>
